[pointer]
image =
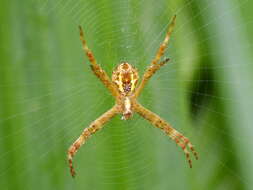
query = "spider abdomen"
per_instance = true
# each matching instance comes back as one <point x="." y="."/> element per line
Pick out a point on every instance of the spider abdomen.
<point x="125" y="76"/>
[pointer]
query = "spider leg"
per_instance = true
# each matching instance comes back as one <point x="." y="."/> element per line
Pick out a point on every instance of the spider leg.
<point x="158" y="122"/>
<point x="87" y="132"/>
<point x="97" y="69"/>
<point x="148" y="74"/>
<point x="155" y="65"/>
<point x="162" y="47"/>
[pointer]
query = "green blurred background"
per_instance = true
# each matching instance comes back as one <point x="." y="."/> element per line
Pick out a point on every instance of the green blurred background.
<point x="48" y="94"/>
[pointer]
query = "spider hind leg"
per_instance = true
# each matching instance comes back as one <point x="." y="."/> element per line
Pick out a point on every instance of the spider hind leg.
<point x="96" y="68"/>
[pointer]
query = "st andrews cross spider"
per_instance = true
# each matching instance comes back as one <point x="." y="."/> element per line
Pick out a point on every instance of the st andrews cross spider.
<point x="125" y="90"/>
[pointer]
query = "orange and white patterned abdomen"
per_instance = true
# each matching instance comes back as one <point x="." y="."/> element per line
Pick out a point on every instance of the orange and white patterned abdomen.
<point x="125" y="76"/>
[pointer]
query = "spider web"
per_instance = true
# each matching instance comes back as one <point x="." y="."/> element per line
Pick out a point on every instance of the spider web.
<point x="203" y="92"/>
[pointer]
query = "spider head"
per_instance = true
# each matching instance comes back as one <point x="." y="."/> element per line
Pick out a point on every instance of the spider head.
<point x="125" y="76"/>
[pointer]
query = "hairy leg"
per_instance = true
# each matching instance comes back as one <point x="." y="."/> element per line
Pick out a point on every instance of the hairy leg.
<point x="87" y="132"/>
<point x="97" y="69"/>
<point x="155" y="64"/>
<point x="165" y="43"/>
<point x="180" y="140"/>
<point x="148" y="74"/>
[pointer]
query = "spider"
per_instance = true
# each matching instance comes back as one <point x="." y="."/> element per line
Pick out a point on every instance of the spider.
<point x="123" y="87"/>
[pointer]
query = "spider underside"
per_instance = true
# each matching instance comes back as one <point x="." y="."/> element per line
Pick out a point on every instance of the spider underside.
<point x="123" y="87"/>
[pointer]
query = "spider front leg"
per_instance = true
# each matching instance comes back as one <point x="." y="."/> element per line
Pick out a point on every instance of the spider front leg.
<point x="87" y="132"/>
<point x="97" y="69"/>
<point x="155" y="64"/>
<point x="180" y="140"/>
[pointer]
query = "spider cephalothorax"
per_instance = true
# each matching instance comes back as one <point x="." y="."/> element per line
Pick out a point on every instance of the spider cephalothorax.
<point x="125" y="76"/>
<point x="124" y="89"/>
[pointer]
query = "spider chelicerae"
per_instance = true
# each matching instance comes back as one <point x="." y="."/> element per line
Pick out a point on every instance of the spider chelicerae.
<point x="123" y="87"/>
